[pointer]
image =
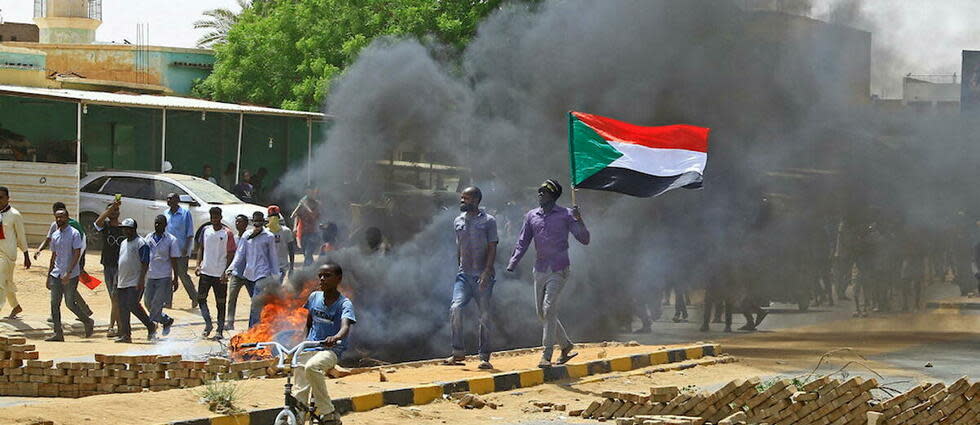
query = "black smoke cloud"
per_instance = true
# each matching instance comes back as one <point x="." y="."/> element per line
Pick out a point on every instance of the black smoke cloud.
<point x="791" y="120"/>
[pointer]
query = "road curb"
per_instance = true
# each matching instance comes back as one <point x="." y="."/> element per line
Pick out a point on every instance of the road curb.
<point x="426" y="393"/>
<point x="944" y="305"/>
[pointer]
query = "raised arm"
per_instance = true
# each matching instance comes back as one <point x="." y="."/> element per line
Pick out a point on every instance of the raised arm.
<point x="581" y="233"/>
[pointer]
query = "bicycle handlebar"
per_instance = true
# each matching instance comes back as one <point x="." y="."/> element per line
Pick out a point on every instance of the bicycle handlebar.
<point x="282" y="351"/>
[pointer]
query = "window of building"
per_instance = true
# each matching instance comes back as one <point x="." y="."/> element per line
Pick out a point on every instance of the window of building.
<point x="13" y="38"/>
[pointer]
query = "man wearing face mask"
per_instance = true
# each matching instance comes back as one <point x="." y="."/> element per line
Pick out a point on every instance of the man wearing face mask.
<point x="549" y="227"/>
<point x="476" y="241"/>
<point x="258" y="263"/>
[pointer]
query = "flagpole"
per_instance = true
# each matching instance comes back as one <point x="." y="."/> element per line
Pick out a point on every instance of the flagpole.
<point x="571" y="158"/>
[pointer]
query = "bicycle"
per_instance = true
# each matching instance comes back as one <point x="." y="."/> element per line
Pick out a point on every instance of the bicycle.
<point x="294" y="412"/>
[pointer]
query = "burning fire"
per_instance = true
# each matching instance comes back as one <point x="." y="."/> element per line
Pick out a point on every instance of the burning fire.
<point x="283" y="319"/>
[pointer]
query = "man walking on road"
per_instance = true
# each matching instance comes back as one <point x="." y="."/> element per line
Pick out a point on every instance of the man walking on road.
<point x="60" y="206"/>
<point x="258" y="263"/>
<point x="134" y="259"/>
<point x="107" y="224"/>
<point x="66" y="250"/>
<point x="476" y="241"/>
<point x="549" y="227"/>
<point x="216" y="249"/>
<point x="181" y="226"/>
<point x="236" y="282"/>
<point x="306" y="220"/>
<point x="161" y="276"/>
<point x="12" y="238"/>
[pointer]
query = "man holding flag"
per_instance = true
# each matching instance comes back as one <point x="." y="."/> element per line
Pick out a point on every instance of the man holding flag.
<point x="549" y="227"/>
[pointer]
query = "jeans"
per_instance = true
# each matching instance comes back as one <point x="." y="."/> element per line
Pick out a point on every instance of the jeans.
<point x="311" y="244"/>
<point x="68" y="292"/>
<point x="111" y="273"/>
<point x="220" y="298"/>
<point x="129" y="303"/>
<point x="465" y="289"/>
<point x="262" y="289"/>
<point x="159" y="292"/>
<point x="185" y="279"/>
<point x="547" y="289"/>
<point x="236" y="285"/>
<point x="311" y="375"/>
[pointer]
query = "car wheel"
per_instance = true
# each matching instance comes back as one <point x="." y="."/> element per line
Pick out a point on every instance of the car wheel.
<point x="93" y="239"/>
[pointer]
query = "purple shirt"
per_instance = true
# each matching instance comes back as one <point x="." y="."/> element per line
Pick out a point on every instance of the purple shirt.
<point x="550" y="234"/>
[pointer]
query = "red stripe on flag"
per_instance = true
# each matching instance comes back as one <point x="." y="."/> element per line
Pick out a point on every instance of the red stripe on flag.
<point x="680" y="136"/>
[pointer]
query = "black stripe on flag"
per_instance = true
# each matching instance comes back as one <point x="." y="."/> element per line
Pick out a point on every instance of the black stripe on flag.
<point x="635" y="183"/>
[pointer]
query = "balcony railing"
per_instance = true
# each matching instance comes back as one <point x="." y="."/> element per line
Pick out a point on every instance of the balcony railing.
<point x="91" y="9"/>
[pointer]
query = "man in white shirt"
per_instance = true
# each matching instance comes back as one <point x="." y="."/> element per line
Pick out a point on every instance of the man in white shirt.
<point x="216" y="249"/>
<point x="285" y="241"/>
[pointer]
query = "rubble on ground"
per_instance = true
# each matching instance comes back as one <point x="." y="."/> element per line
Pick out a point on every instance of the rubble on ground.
<point x="822" y="401"/>
<point x="473" y="401"/>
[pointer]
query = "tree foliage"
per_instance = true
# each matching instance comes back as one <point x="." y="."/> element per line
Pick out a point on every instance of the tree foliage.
<point x="218" y="22"/>
<point x="284" y="53"/>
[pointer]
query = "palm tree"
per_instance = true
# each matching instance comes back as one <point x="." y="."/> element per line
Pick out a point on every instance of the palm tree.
<point x="218" y="22"/>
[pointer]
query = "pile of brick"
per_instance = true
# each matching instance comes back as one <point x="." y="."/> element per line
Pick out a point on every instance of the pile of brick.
<point x="823" y="401"/>
<point x="22" y="374"/>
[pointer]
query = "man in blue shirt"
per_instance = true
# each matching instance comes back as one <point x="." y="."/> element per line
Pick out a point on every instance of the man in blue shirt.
<point x="257" y="261"/>
<point x="66" y="250"/>
<point x="181" y="226"/>
<point x="329" y="320"/>
<point x="476" y="240"/>
<point x="161" y="276"/>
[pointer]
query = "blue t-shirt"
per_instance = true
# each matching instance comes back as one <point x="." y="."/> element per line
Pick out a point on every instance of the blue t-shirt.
<point x="328" y="319"/>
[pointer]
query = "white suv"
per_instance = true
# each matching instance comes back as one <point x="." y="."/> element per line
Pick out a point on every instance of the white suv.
<point x="144" y="196"/>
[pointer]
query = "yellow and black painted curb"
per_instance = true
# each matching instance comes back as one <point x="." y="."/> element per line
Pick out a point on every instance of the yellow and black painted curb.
<point x="953" y="305"/>
<point x="426" y="393"/>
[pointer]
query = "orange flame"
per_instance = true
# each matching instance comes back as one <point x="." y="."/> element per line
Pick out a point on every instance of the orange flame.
<point x="283" y="311"/>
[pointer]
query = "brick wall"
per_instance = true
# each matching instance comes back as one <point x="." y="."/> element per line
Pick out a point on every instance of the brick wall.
<point x="22" y="374"/>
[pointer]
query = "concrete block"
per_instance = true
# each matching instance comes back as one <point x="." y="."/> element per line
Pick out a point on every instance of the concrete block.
<point x="125" y="373"/>
<point x="43" y="364"/>
<point x="152" y="367"/>
<point x="218" y="361"/>
<point x="619" y="413"/>
<point x="40" y="379"/>
<point x="612" y="409"/>
<point x="191" y="382"/>
<point x="111" y="380"/>
<point x="733" y="419"/>
<point x="151" y="375"/>
<point x="86" y="380"/>
<point x="26" y="355"/>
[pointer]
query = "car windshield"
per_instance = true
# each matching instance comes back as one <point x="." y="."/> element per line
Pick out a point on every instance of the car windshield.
<point x="209" y="192"/>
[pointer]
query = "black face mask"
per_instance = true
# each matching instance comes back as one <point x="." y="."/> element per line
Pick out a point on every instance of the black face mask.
<point x="467" y="207"/>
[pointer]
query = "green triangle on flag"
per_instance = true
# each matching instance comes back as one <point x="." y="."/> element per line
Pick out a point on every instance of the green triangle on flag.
<point x="590" y="151"/>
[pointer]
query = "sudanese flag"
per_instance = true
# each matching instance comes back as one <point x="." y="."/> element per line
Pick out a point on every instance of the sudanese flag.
<point x="617" y="156"/>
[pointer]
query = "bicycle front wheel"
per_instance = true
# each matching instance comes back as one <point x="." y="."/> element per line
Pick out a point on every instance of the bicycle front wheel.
<point x="286" y="417"/>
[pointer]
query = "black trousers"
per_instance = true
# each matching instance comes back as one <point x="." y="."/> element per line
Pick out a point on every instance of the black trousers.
<point x="129" y="303"/>
<point x="204" y="285"/>
<point x="720" y="299"/>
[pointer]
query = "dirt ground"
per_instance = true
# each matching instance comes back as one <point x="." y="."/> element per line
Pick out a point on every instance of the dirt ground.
<point x="786" y="352"/>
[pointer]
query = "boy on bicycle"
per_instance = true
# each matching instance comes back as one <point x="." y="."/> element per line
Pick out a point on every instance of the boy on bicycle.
<point x="329" y="320"/>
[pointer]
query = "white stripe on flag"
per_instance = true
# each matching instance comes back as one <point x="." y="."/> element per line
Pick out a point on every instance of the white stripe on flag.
<point x="658" y="162"/>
